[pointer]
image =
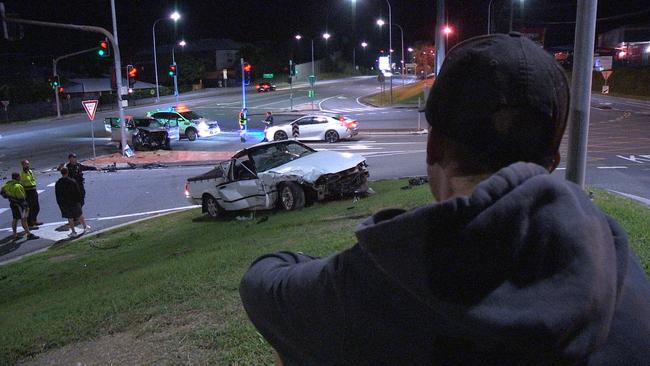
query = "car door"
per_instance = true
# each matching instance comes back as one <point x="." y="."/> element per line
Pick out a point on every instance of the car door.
<point x="306" y="127"/>
<point x="319" y="126"/>
<point x="243" y="189"/>
<point x="116" y="131"/>
<point x="170" y="121"/>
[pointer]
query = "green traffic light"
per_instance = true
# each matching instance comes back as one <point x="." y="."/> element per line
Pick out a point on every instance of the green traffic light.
<point x="101" y="52"/>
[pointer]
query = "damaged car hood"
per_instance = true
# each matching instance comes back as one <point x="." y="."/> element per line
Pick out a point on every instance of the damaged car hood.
<point x="309" y="168"/>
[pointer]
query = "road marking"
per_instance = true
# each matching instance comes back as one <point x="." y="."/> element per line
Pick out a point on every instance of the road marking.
<point x="643" y="200"/>
<point x="58" y="223"/>
<point x="611" y="167"/>
<point x="39" y="191"/>
<point x="3" y="210"/>
<point x="324" y="100"/>
<point x="51" y="184"/>
<point x="560" y="168"/>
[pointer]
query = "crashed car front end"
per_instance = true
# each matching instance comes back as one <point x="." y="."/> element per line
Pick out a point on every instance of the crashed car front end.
<point x="344" y="183"/>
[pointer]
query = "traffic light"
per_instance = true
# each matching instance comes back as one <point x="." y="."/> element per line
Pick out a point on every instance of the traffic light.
<point x="132" y="73"/>
<point x="53" y="81"/>
<point x="104" y="49"/>
<point x="247" y="72"/>
<point x="292" y="70"/>
<point x="50" y="81"/>
<point x="172" y="70"/>
<point x="61" y="90"/>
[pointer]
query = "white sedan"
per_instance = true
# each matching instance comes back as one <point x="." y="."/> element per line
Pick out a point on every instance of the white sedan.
<point x="330" y="128"/>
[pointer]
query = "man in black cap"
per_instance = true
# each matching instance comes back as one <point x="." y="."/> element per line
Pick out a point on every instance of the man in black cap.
<point x="75" y="171"/>
<point x="510" y="267"/>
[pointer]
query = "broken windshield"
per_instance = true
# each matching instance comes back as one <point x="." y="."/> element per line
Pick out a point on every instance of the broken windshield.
<point x="273" y="155"/>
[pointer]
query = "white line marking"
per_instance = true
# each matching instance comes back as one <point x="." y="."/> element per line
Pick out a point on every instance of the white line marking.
<point x="39" y="191"/>
<point x="611" y="167"/>
<point x="643" y="200"/>
<point x="324" y="100"/>
<point x="118" y="216"/>
<point x="3" y="210"/>
<point x="51" y="184"/>
<point x="560" y="168"/>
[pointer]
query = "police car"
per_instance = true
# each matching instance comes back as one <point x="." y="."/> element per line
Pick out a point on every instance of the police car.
<point x="191" y="125"/>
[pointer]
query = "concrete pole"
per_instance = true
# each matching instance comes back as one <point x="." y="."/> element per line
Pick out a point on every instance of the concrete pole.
<point x="489" y="25"/>
<point x="579" y="109"/>
<point x="512" y="13"/>
<point x="312" y="72"/>
<point x="243" y="85"/>
<point x="440" y="37"/>
<point x="118" y="76"/>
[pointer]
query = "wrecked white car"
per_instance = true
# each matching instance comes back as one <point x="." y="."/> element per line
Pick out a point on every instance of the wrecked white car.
<point x="284" y="174"/>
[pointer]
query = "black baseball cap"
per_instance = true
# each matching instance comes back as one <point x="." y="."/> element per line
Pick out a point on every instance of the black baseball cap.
<point x="501" y="94"/>
<point x="72" y="155"/>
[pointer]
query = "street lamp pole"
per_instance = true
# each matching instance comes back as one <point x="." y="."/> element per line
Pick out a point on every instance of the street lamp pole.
<point x="175" y="16"/>
<point x="312" y="71"/>
<point x="489" y="25"/>
<point x="390" y="47"/>
<point x="182" y="44"/>
<point x="402" y="34"/>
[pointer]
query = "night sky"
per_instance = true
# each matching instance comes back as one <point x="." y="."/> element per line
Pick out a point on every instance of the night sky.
<point x="278" y="21"/>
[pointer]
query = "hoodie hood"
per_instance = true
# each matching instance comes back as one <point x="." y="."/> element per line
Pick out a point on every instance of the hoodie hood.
<point x="526" y="261"/>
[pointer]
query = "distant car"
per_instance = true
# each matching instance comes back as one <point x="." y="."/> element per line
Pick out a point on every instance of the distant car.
<point x="191" y="124"/>
<point x="330" y="128"/>
<point x="145" y="132"/>
<point x="283" y="174"/>
<point x="264" y="87"/>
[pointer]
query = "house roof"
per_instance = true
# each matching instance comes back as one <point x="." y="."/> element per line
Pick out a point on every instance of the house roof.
<point x="94" y="85"/>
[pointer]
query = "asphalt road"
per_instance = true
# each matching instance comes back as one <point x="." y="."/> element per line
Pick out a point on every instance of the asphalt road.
<point x="619" y="157"/>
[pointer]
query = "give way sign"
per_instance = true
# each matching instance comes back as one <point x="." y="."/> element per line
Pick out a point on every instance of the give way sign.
<point x="90" y="106"/>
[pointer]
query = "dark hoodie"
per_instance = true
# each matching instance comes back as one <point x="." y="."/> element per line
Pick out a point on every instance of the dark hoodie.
<point x="525" y="271"/>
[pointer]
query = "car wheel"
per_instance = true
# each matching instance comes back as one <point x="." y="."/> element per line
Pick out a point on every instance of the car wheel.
<point x="292" y="196"/>
<point x="331" y="136"/>
<point x="191" y="134"/>
<point x="280" y="135"/>
<point x="211" y="206"/>
<point x="168" y="144"/>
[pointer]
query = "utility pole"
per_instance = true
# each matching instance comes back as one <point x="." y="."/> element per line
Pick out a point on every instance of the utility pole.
<point x="579" y="108"/>
<point x="118" y="77"/>
<point x="290" y="85"/>
<point x="93" y="29"/>
<point x="55" y="74"/>
<point x="440" y="38"/>
<point x="243" y="87"/>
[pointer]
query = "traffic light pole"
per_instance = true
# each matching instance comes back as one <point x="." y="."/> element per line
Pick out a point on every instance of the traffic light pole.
<point x="93" y="29"/>
<point x="55" y="74"/>
<point x="243" y="87"/>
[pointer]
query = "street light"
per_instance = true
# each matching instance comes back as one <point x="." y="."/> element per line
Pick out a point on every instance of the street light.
<point x="364" y="45"/>
<point x="182" y="43"/>
<point x="175" y="16"/>
<point x="298" y="37"/>
<point x="325" y="36"/>
<point x="380" y="22"/>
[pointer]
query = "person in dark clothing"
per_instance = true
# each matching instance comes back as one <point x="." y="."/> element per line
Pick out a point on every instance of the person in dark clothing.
<point x="75" y="171"/>
<point x="268" y="122"/>
<point x="68" y="197"/>
<point x="510" y="266"/>
<point x="28" y="181"/>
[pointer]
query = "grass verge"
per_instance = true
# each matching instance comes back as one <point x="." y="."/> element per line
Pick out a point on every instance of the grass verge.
<point x="407" y="94"/>
<point x="169" y="286"/>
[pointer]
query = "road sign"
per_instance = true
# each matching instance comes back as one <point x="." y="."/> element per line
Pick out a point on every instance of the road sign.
<point x="312" y="79"/>
<point x="225" y="74"/>
<point x="605" y="89"/>
<point x="603" y="62"/>
<point x="267" y="76"/>
<point x="311" y="93"/>
<point x="607" y="73"/>
<point x="5" y="103"/>
<point x="90" y="106"/>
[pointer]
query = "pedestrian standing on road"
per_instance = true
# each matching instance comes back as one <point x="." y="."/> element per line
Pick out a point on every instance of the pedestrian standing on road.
<point x="28" y="182"/>
<point x="76" y="172"/>
<point x="509" y="265"/>
<point x="268" y="123"/>
<point x="242" y="119"/>
<point x="68" y="197"/>
<point x="15" y="193"/>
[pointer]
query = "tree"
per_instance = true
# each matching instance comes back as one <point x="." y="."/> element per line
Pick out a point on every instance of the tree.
<point x="425" y="58"/>
<point x="190" y="69"/>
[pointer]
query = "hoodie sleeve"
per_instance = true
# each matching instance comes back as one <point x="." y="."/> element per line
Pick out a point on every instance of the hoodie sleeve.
<point x="294" y="301"/>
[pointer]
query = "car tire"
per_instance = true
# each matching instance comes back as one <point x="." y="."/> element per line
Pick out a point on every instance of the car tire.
<point x="291" y="196"/>
<point x="168" y="144"/>
<point x="191" y="134"/>
<point x="331" y="136"/>
<point x="280" y="135"/>
<point x="211" y="206"/>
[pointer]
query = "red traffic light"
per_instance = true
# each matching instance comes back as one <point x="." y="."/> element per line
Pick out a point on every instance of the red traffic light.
<point x="172" y="70"/>
<point x="104" y="50"/>
<point x="248" y="67"/>
<point x="133" y="72"/>
<point x="61" y="89"/>
<point x="103" y="45"/>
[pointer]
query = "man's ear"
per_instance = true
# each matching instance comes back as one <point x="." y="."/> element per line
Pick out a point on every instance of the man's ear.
<point x="434" y="147"/>
<point x="555" y="162"/>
